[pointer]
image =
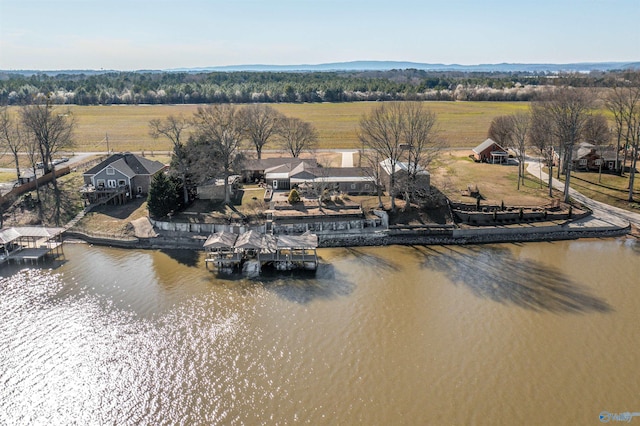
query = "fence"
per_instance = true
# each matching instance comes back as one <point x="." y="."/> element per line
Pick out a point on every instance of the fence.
<point x="30" y="186"/>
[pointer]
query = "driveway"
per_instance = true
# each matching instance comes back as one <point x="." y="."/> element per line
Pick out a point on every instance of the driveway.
<point x="602" y="213"/>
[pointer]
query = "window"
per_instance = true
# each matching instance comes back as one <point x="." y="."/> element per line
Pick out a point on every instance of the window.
<point x="139" y="190"/>
<point x="122" y="182"/>
<point x="275" y="184"/>
<point x="111" y="183"/>
<point x="100" y="183"/>
<point x="111" y="171"/>
<point x="583" y="162"/>
<point x="354" y="186"/>
<point x="367" y="186"/>
<point x="598" y="161"/>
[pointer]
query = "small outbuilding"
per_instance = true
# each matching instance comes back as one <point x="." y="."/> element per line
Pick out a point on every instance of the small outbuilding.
<point x="490" y="151"/>
<point x="402" y="172"/>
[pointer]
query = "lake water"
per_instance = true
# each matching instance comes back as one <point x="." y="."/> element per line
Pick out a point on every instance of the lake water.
<point x="536" y="333"/>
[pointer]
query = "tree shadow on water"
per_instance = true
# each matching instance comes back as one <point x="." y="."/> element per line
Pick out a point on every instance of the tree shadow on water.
<point x="306" y="286"/>
<point x="369" y="259"/>
<point x="494" y="273"/>
<point x="184" y="257"/>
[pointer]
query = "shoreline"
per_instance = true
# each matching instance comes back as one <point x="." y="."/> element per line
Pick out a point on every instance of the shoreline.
<point x="601" y="221"/>
<point x="468" y="236"/>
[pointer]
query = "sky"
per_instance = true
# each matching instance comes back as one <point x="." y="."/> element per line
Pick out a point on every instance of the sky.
<point x="166" y="34"/>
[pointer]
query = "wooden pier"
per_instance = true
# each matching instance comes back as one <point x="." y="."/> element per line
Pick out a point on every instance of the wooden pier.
<point x="226" y="250"/>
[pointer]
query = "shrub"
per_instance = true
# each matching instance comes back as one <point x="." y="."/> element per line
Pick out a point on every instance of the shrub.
<point x="294" y="197"/>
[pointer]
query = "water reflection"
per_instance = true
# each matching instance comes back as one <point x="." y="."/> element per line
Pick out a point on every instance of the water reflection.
<point x="327" y="284"/>
<point x="296" y="286"/>
<point x="494" y="273"/>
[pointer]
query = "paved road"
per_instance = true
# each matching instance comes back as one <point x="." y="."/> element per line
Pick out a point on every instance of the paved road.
<point x="603" y="214"/>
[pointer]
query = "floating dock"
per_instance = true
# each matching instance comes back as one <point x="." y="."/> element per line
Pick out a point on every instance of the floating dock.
<point x="251" y="251"/>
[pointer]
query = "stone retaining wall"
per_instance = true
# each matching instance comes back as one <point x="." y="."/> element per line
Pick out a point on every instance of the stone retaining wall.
<point x="470" y="236"/>
<point x="205" y="228"/>
<point x="320" y="226"/>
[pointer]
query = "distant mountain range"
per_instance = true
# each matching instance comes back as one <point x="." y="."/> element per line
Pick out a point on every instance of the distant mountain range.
<point x="389" y="65"/>
<point x="374" y="66"/>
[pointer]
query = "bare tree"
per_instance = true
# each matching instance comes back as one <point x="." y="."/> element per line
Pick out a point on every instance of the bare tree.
<point x="220" y="126"/>
<point x="173" y="129"/>
<point x="261" y="122"/>
<point x="568" y="109"/>
<point x="371" y="161"/>
<point x="421" y="143"/>
<point x="541" y="136"/>
<point x="10" y="137"/>
<point x="624" y="103"/>
<point x="297" y="135"/>
<point x="500" y="130"/>
<point x="511" y="131"/>
<point x="397" y="131"/>
<point x="615" y="102"/>
<point x="520" y="138"/>
<point x="32" y="150"/>
<point x="51" y="130"/>
<point x="382" y="131"/>
<point x="596" y="132"/>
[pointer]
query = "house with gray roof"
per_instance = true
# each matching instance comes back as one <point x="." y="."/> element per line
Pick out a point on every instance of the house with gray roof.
<point x="254" y="170"/>
<point x="308" y="175"/>
<point x="124" y="175"/>
<point x="589" y="157"/>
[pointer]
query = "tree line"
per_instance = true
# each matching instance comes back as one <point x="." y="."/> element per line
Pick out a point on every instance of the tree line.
<point x="271" y="87"/>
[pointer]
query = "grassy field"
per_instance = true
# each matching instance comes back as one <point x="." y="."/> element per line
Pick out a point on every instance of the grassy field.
<point x="462" y="124"/>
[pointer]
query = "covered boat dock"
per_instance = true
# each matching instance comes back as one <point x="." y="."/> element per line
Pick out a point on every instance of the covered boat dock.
<point x="30" y="244"/>
<point x="285" y="252"/>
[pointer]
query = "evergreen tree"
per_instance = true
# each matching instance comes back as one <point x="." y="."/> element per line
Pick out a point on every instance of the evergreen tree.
<point x="164" y="196"/>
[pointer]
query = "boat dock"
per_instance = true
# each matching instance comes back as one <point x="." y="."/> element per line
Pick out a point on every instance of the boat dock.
<point x="251" y="251"/>
<point x="30" y="244"/>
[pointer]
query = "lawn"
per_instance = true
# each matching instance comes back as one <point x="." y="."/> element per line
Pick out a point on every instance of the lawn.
<point x="609" y="189"/>
<point x="454" y="172"/>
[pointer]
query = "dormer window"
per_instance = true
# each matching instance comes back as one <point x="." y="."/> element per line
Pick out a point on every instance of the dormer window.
<point x="111" y="171"/>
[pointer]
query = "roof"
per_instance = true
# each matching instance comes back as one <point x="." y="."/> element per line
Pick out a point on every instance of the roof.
<point x="334" y="174"/>
<point x="485" y="145"/>
<point x="268" y="163"/>
<point x="254" y="240"/>
<point x="129" y="164"/>
<point x="11" y="234"/>
<point x="583" y="149"/>
<point x="400" y="166"/>
<point x="221" y="239"/>
<point x="249" y="240"/>
<point x="304" y="241"/>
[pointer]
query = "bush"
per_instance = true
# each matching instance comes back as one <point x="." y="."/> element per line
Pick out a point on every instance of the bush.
<point x="294" y="197"/>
